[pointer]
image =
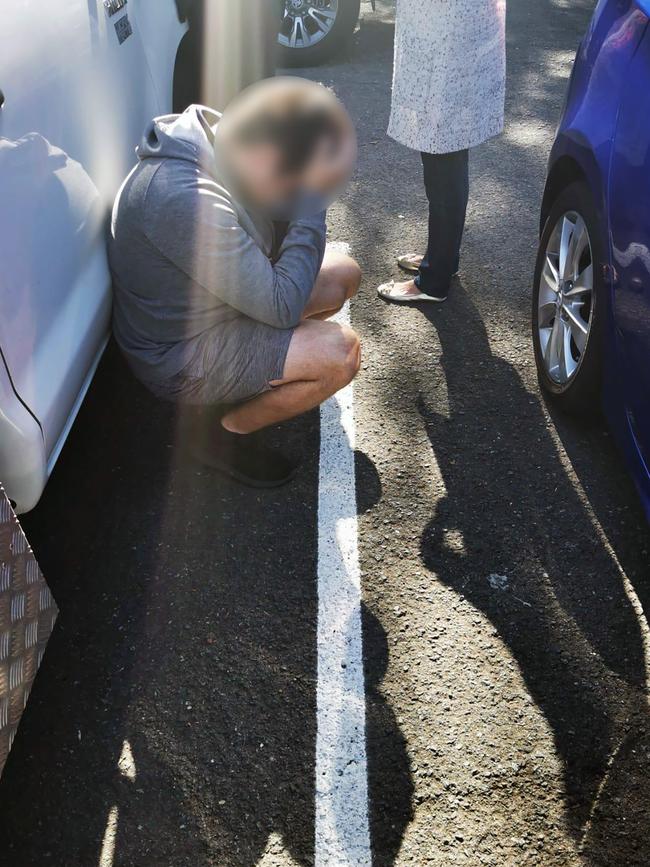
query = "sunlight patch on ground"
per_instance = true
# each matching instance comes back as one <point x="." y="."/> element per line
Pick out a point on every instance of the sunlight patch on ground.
<point x="275" y="854"/>
<point x="454" y="541"/>
<point x="126" y="763"/>
<point x="563" y="4"/>
<point x="532" y="133"/>
<point x="455" y="729"/>
<point x="558" y="63"/>
<point x="392" y="348"/>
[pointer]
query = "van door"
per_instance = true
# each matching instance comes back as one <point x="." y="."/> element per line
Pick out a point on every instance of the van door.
<point x="161" y="28"/>
<point x="78" y="93"/>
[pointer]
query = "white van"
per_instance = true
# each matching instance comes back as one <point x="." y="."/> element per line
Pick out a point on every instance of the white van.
<point x="79" y="79"/>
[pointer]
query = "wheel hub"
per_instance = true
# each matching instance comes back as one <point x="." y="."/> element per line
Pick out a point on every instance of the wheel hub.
<point x="306" y="22"/>
<point x="565" y="298"/>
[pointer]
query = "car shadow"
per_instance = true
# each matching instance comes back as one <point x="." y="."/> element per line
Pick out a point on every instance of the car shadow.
<point x="90" y="534"/>
<point x="178" y="692"/>
<point x="556" y="593"/>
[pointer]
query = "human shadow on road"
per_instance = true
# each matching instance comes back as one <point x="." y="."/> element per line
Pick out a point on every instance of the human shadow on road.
<point x="563" y="608"/>
<point x="246" y="662"/>
<point x="390" y="781"/>
<point x="188" y="630"/>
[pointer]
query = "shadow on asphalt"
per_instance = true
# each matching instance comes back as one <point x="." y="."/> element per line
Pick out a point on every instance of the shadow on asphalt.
<point x="188" y="628"/>
<point x="95" y="534"/>
<point x="390" y="782"/>
<point x="564" y="609"/>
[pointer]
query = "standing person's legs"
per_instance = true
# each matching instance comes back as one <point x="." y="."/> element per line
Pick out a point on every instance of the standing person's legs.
<point x="446" y="181"/>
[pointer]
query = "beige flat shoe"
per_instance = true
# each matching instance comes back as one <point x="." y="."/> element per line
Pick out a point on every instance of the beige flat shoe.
<point x="410" y="262"/>
<point x="391" y="292"/>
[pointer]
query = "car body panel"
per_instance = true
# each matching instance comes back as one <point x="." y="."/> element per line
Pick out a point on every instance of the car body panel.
<point x="161" y="31"/>
<point x="77" y="97"/>
<point x="629" y="211"/>
<point x="54" y="284"/>
<point x="22" y="452"/>
<point x="588" y="124"/>
<point x="609" y="82"/>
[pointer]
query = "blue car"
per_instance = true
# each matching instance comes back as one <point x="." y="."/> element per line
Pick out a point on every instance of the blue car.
<point x="591" y="304"/>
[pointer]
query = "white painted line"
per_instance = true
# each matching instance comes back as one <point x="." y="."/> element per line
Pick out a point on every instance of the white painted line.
<point x="342" y="828"/>
<point x="107" y="854"/>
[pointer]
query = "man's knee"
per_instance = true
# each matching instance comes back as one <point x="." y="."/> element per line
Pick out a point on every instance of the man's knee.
<point x="346" y="277"/>
<point x="351" y="276"/>
<point x="346" y="358"/>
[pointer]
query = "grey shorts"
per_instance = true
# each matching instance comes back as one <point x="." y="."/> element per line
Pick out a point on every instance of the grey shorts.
<point x="230" y="363"/>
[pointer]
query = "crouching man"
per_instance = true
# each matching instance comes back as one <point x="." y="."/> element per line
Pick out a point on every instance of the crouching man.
<point x="222" y="283"/>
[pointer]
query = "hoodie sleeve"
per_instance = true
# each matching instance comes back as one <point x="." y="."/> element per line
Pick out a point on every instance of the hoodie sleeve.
<point x="207" y="242"/>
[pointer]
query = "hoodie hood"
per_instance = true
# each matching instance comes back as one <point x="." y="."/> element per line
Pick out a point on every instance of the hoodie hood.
<point x="188" y="136"/>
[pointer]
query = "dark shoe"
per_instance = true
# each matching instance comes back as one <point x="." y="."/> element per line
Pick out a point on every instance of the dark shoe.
<point x="242" y="457"/>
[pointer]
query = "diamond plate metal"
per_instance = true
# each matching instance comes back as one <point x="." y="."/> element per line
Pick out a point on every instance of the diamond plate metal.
<point x="27" y="616"/>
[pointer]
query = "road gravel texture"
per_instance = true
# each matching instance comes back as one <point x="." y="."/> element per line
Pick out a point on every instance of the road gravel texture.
<point x="504" y="569"/>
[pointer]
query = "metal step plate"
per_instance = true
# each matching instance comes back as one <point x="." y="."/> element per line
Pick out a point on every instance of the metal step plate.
<point x="27" y="616"/>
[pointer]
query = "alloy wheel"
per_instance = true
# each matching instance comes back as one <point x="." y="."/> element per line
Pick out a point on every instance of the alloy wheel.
<point x="307" y="22"/>
<point x="566" y="298"/>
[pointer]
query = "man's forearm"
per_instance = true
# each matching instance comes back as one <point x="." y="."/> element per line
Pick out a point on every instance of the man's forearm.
<point x="297" y="266"/>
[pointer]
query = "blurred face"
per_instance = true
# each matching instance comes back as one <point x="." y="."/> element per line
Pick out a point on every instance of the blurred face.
<point x="249" y="137"/>
<point x="332" y="164"/>
<point x="269" y="187"/>
<point x="259" y="173"/>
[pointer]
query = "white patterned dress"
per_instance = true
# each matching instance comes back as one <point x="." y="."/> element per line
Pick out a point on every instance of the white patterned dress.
<point x="449" y="73"/>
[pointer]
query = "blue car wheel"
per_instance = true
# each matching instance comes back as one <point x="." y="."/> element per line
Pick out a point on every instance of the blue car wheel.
<point x="568" y="297"/>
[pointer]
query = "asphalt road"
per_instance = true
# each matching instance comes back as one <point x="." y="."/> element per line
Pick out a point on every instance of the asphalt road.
<point x="504" y="562"/>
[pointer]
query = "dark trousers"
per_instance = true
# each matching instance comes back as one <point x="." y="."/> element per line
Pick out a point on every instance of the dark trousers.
<point x="446" y="181"/>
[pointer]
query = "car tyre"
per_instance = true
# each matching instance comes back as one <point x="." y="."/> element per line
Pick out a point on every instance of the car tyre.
<point x="568" y="339"/>
<point x="334" y="42"/>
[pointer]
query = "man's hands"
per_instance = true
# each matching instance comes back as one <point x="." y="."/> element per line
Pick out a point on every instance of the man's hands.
<point x="333" y="162"/>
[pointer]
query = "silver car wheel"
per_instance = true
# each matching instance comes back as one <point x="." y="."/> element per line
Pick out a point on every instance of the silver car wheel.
<point x="566" y="298"/>
<point x="306" y="22"/>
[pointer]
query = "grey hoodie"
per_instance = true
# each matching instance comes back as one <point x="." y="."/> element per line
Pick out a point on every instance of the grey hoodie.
<point x="186" y="255"/>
